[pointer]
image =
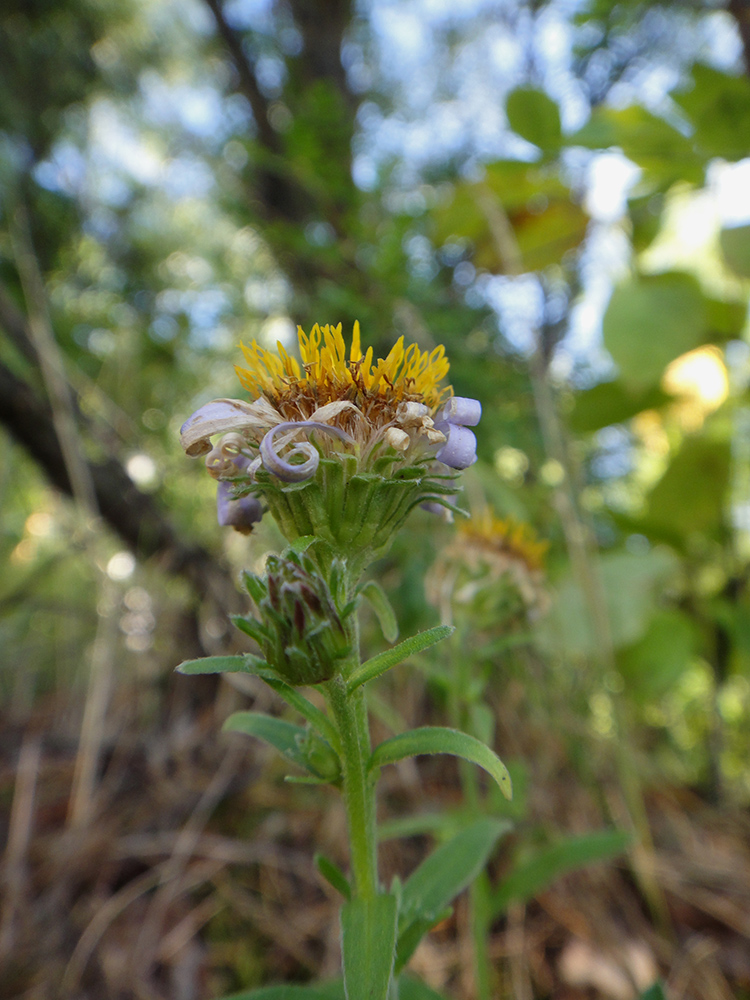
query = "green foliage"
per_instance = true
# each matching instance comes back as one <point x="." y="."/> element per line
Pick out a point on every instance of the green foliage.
<point x="611" y="403"/>
<point x="735" y="245"/>
<point x="440" y="878"/>
<point x="630" y="584"/>
<point x="381" y="662"/>
<point x="545" y="219"/>
<point x="534" y="874"/>
<point x="246" y="664"/>
<point x="378" y="601"/>
<point x="664" y="153"/>
<point x="718" y="107"/>
<point x="367" y="944"/>
<point x="691" y="495"/>
<point x="651" y="320"/>
<point x="333" y="875"/>
<point x="536" y="117"/>
<point x="437" y="739"/>
<point x="654" y="664"/>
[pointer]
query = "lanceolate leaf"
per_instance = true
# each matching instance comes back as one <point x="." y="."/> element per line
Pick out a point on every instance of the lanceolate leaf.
<point x="283" y="736"/>
<point x="333" y="875"/>
<point x="368" y="942"/>
<point x="378" y="665"/>
<point x="436" y="739"/>
<point x="380" y="604"/>
<point x="546" y="865"/>
<point x="442" y="876"/>
<point x="246" y="664"/>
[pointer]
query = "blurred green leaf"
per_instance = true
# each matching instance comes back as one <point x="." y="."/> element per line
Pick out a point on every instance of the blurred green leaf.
<point x="546" y="220"/>
<point x="655" y="992"/>
<point x="735" y="245"/>
<point x="410" y="988"/>
<point x="651" y="320"/>
<point x="378" y="601"/>
<point x="664" y="153"/>
<point x="651" y="666"/>
<point x="718" y="106"/>
<point x="535" y="117"/>
<point x="691" y="495"/>
<point x="539" y="871"/>
<point x="611" y="403"/>
<point x="630" y="582"/>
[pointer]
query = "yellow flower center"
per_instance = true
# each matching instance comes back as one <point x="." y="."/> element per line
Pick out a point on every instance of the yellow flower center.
<point x="327" y="374"/>
<point x="509" y="537"/>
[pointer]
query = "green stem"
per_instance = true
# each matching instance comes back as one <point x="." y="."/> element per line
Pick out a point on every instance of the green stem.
<point x="350" y="715"/>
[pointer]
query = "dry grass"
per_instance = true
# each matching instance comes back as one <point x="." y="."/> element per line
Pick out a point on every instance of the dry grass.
<point x="195" y="875"/>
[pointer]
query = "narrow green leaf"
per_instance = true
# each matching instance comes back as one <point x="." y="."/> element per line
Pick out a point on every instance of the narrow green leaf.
<point x="317" y="719"/>
<point x="368" y="942"/>
<point x="283" y="736"/>
<point x="378" y="664"/>
<point x="442" y="876"/>
<point x="375" y="595"/>
<point x="534" y="875"/>
<point x="333" y="875"/>
<point x="246" y="664"/>
<point x="255" y="586"/>
<point x="437" y="739"/>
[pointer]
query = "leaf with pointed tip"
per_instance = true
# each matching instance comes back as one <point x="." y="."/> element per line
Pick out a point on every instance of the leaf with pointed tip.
<point x="544" y="866"/>
<point x="378" y="664"/>
<point x="438" y="739"/>
<point x="440" y="878"/>
<point x="333" y="875"/>
<point x="246" y="664"/>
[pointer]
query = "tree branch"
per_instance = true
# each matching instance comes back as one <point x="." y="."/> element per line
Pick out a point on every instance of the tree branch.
<point x="133" y="515"/>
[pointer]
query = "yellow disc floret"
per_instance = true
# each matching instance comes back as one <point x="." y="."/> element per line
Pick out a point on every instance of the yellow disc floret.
<point x="327" y="374"/>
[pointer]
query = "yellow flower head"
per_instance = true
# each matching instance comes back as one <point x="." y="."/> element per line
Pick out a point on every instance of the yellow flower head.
<point x="514" y="540"/>
<point x="327" y="374"/>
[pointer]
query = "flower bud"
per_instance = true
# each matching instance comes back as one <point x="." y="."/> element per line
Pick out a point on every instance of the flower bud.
<point x="304" y="638"/>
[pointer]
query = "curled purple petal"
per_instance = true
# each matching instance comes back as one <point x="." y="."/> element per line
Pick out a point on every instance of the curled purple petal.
<point x="241" y="513"/>
<point x="460" y="450"/>
<point x="304" y="470"/>
<point x="462" y="410"/>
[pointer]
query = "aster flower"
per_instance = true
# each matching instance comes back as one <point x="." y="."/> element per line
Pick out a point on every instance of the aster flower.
<point x="339" y="446"/>
<point x="496" y="565"/>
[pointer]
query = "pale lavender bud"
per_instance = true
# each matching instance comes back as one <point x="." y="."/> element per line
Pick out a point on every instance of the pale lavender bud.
<point x="304" y="470"/>
<point x="241" y="513"/>
<point x="463" y="411"/>
<point x="460" y="450"/>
